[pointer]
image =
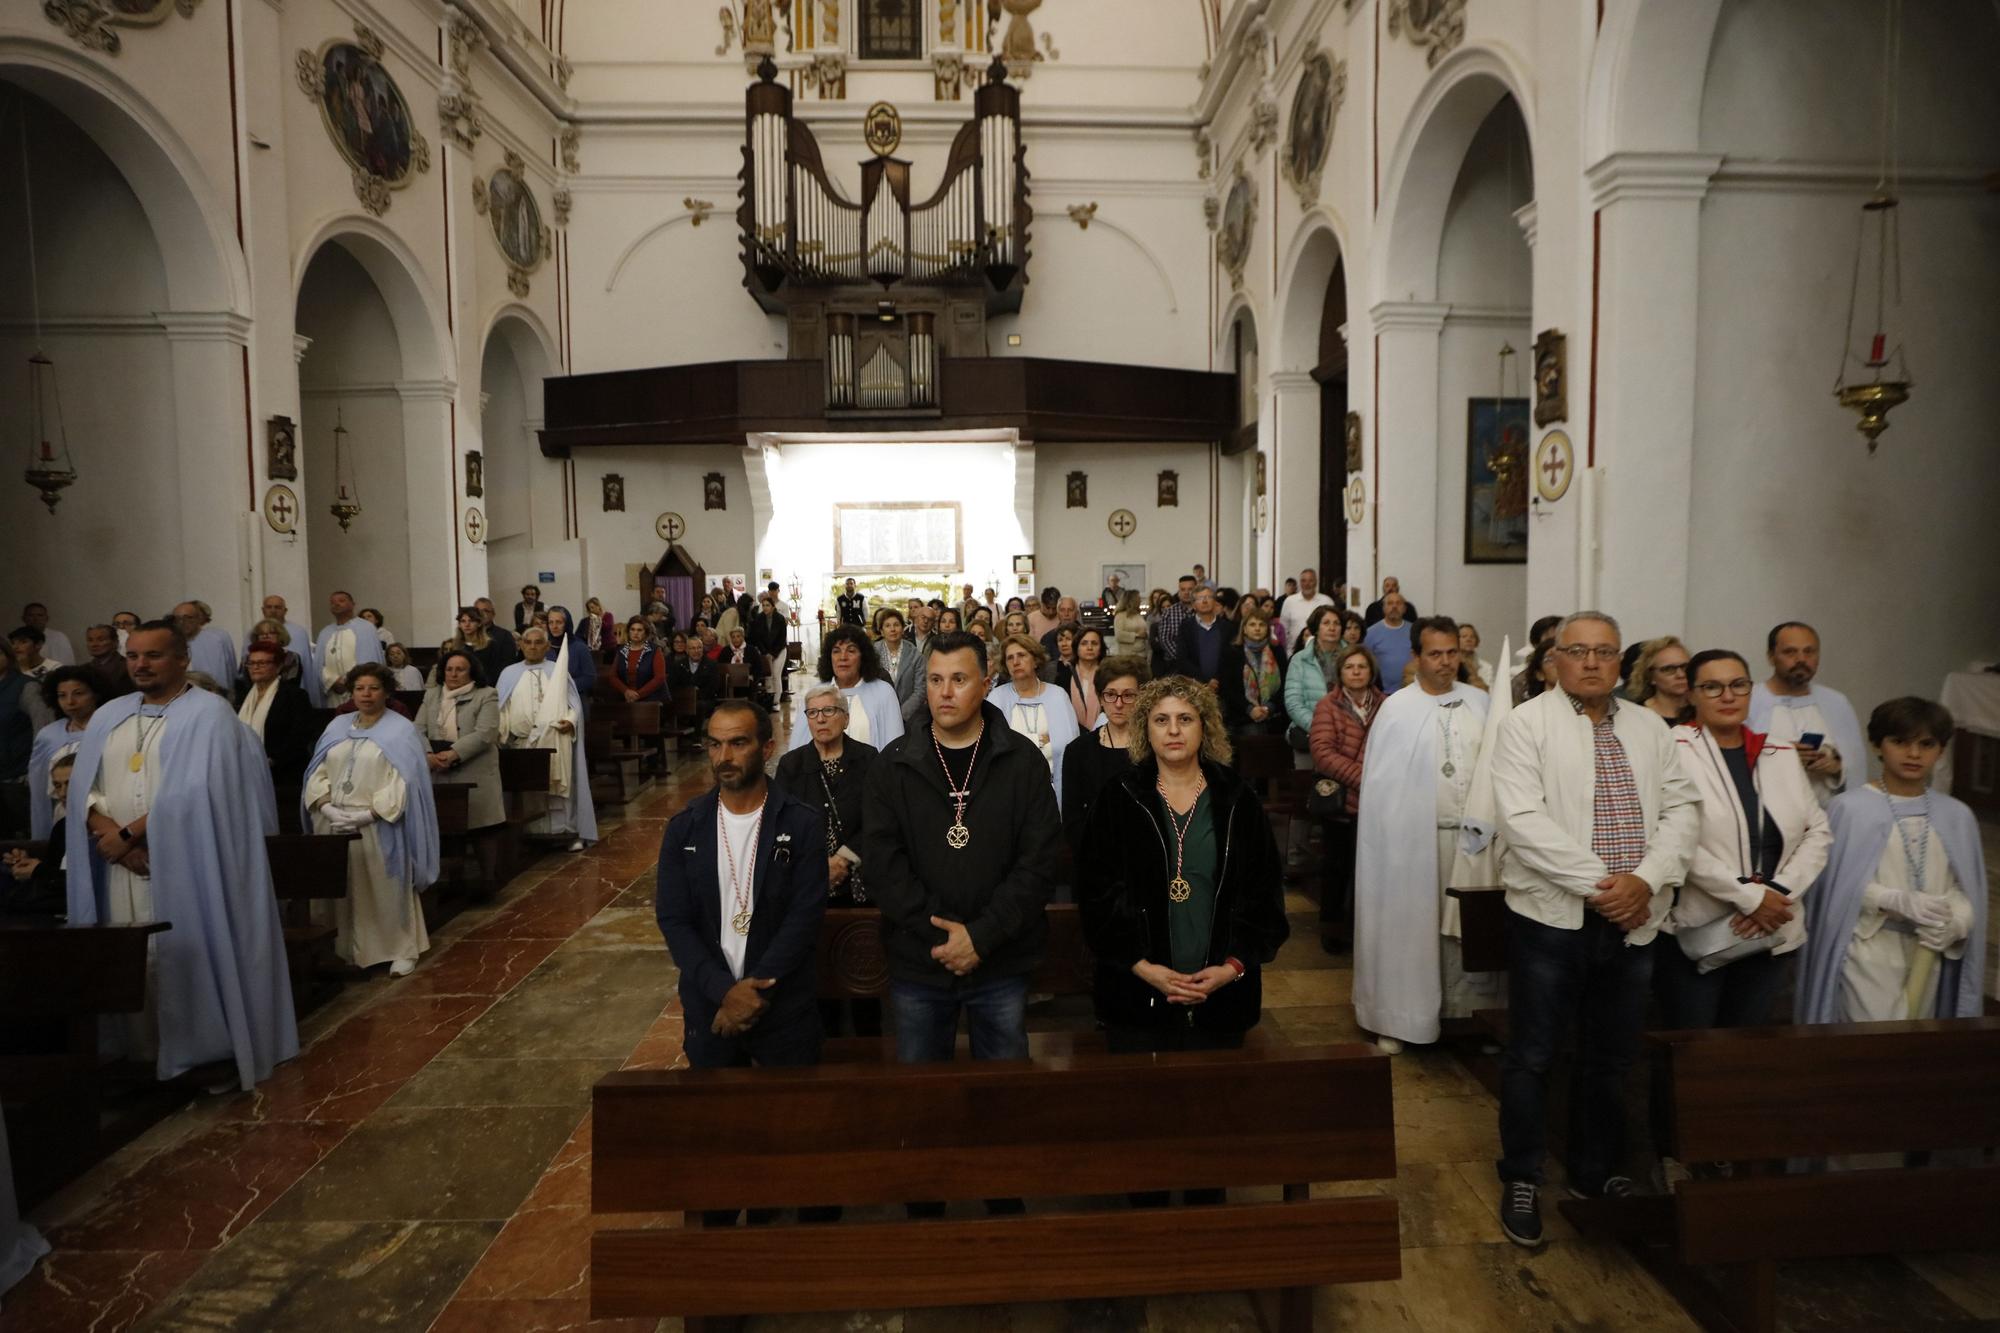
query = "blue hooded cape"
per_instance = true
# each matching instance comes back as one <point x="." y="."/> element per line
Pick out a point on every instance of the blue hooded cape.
<point x="50" y="739"/>
<point x="409" y="844"/>
<point x="1861" y="829"/>
<point x="367" y="644"/>
<point x="223" y="992"/>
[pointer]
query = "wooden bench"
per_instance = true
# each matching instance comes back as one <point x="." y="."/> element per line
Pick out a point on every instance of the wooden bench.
<point x="308" y="868"/>
<point x="693" y="1140"/>
<point x="1755" y="1097"/>
<point x="62" y="978"/>
<point x="1482" y="928"/>
<point x="684" y="719"/>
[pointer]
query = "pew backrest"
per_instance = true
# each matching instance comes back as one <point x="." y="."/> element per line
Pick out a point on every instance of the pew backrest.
<point x="305" y="866"/>
<point x="853" y="965"/>
<point x="64" y="971"/>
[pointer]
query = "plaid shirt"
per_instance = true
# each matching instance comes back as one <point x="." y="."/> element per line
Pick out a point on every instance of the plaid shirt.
<point x="1166" y="626"/>
<point x="1618" y="821"/>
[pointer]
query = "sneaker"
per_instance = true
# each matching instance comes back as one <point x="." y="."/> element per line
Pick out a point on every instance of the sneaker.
<point x="1521" y="1213"/>
<point x="576" y="846"/>
<point x="1614" y="1187"/>
<point x="1388" y="1046"/>
<point x="402" y="967"/>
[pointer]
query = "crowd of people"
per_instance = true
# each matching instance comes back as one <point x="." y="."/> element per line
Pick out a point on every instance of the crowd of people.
<point x="1669" y="826"/>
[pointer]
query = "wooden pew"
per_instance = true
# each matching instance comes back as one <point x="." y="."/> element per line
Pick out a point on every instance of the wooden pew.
<point x="62" y="978"/>
<point x="689" y="1140"/>
<point x="1482" y="928"/>
<point x="412" y="700"/>
<point x="308" y="868"/>
<point x="1758" y="1096"/>
<point x="684" y="719"/>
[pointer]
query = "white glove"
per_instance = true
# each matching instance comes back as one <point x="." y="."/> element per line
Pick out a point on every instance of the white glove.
<point x="1920" y="909"/>
<point x="347" y="820"/>
<point x="1941" y="936"/>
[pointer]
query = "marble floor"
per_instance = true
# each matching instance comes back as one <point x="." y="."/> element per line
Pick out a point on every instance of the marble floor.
<point x="424" y="1164"/>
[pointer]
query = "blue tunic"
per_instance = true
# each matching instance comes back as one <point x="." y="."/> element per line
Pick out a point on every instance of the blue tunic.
<point x="222" y="989"/>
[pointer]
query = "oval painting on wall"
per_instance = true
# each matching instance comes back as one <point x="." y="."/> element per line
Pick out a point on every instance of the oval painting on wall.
<point x="365" y="112"/>
<point x="516" y="218"/>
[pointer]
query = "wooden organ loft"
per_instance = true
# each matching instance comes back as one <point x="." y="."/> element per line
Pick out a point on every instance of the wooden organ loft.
<point x="881" y="290"/>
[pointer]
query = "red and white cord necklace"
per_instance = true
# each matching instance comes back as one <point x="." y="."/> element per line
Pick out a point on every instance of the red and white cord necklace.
<point x="740" y="894"/>
<point x="1178" y="888"/>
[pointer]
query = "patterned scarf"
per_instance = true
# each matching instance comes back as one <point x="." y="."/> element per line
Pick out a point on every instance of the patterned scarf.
<point x="1261" y="678"/>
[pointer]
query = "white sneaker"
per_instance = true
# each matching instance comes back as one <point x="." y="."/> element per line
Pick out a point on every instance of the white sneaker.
<point x="576" y="846"/>
<point x="1388" y="1046"/>
<point x="402" y="967"/>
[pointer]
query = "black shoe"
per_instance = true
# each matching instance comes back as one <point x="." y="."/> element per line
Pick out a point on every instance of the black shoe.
<point x="1614" y="1187"/>
<point x="1521" y="1213"/>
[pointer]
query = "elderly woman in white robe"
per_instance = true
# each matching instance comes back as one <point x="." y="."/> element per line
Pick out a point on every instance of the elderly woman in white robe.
<point x="369" y="775"/>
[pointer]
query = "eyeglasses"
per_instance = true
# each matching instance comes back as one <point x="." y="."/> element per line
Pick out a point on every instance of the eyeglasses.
<point x="1578" y="652"/>
<point x="822" y="714"/>
<point x="1672" y="668"/>
<point x="1715" y="689"/>
<point x="1118" y="696"/>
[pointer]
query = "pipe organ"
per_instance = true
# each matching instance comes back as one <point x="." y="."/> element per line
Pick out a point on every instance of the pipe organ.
<point x="883" y="289"/>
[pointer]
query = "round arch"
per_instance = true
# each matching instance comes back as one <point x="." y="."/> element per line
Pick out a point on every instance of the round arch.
<point x="524" y="334"/>
<point x="1417" y="191"/>
<point x="1316" y="251"/>
<point x="1647" y="79"/>
<point x="1239" y="306"/>
<point x="399" y="276"/>
<point x="205" y="267"/>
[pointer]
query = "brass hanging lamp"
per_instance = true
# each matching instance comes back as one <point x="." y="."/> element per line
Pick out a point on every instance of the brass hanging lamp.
<point x="50" y="467"/>
<point x="346" y="506"/>
<point x="1874" y="376"/>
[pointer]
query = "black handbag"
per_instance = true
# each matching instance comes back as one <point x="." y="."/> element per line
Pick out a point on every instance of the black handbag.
<point x="1326" y="799"/>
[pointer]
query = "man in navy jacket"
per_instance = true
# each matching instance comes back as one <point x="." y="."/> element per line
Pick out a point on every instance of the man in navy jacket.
<point x="741" y="894"/>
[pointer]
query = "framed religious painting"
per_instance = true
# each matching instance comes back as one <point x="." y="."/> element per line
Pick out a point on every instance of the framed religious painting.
<point x="475" y="474"/>
<point x="614" y="493"/>
<point x="1551" y="377"/>
<point x="281" y="439"/>
<point x="365" y="115"/>
<point x="1496" y="481"/>
<point x="712" y="496"/>
<point x="509" y="205"/>
<point x="1168" y="492"/>
<point x="1076" y="491"/>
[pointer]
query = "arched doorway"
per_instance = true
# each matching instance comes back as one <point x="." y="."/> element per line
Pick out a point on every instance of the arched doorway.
<point x="371" y="363"/>
<point x="139" y="312"/>
<point x="529" y="508"/>
<point x="1311" y="392"/>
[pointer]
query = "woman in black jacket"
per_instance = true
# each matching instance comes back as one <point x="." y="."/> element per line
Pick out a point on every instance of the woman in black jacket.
<point x="1180" y="886"/>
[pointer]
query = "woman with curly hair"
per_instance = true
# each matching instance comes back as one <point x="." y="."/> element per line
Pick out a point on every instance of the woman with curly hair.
<point x="849" y="660"/>
<point x="1179" y="883"/>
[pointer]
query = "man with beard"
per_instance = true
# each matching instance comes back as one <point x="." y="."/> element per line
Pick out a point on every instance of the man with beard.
<point x="1792" y="708"/>
<point x="741" y="894"/>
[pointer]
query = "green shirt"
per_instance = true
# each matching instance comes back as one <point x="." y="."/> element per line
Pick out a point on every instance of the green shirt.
<point x="1190" y="924"/>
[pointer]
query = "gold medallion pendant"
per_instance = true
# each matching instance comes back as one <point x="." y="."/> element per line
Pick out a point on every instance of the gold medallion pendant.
<point x="1179" y="889"/>
<point x="138" y="762"/>
<point x="958" y="835"/>
<point x="741" y="922"/>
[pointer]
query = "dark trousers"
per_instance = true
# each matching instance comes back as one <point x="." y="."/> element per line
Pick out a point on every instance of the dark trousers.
<point x="1740" y="995"/>
<point x="1592" y="979"/>
<point x="789" y="1042"/>
<point x="996" y="1019"/>
<point x="1336" y="875"/>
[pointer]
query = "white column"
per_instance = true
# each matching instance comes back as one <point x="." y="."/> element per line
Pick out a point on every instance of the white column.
<point x="446" y="569"/>
<point x="216" y="461"/>
<point x="1024" y="514"/>
<point x="1402" y="467"/>
<point x="1292" y="477"/>
<point x="1649" y="207"/>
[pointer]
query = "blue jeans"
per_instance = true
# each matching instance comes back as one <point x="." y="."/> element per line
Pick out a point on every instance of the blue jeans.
<point x="1556" y="977"/>
<point x="996" y="1017"/>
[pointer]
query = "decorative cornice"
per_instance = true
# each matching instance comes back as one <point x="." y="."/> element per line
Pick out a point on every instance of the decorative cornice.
<point x="225" y="326"/>
<point x="1527" y="216"/>
<point x="1408" y="316"/>
<point x="1290" y="381"/>
<point x="409" y="391"/>
<point x="1748" y="175"/>
<point x="1671" y="176"/>
<point x="300" y="345"/>
<point x="1487" y="316"/>
<point x="87" y="326"/>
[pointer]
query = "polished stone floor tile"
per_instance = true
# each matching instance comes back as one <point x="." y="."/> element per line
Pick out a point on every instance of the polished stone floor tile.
<point x="106" y="1291"/>
<point x="1438" y="1206"/>
<point x="328" y="1275"/>
<point x="1563" y="1288"/>
<point x="1972" y="1281"/>
<point x="1447" y="1129"/>
<point x="478" y="967"/>
<point x="1861" y="1292"/>
<point x="1319" y="986"/>
<point x="1314" y="1025"/>
<point x="423" y="1162"/>
<point x="580" y="1003"/>
<point x="467" y="1316"/>
<point x="198" y="1195"/>
<point x="620" y="928"/>
<point x="355" y="1069"/>
<point x="448" y="1081"/>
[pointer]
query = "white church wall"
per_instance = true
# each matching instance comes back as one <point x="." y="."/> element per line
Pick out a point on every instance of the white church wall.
<point x="1793" y="518"/>
<point x="660" y="480"/>
<point x="1073" y="545"/>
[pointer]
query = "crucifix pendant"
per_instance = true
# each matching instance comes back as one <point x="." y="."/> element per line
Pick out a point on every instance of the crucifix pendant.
<point x="1179" y="890"/>
<point x="740" y="923"/>
<point x="958" y="835"/>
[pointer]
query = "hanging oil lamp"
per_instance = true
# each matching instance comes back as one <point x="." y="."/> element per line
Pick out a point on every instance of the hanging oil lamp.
<point x="346" y="506"/>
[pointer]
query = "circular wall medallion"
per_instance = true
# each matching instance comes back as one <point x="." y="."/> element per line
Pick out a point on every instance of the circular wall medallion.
<point x="670" y="527"/>
<point x="1357" y="501"/>
<point x="1239" y="215"/>
<point x="1310" y="130"/>
<point x="475" y="526"/>
<point x="1555" y="466"/>
<point x="1123" y="523"/>
<point x="281" y="509"/>
<point x="882" y="127"/>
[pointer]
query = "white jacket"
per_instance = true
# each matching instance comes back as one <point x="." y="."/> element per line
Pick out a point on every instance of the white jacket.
<point x="1722" y="849"/>
<point x="1544" y="784"/>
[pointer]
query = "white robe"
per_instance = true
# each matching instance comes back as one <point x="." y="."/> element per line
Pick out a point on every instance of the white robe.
<point x="1875" y="981"/>
<point x="125" y="796"/>
<point x="381" y="920"/>
<point x="21" y="1246"/>
<point x="1405" y="976"/>
<point x="1785" y="718"/>
<point x="528" y="721"/>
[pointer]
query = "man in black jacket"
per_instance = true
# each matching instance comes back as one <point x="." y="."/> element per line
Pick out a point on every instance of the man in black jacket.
<point x="1205" y="639"/>
<point x="960" y="840"/>
<point x="746" y="949"/>
<point x="693" y="670"/>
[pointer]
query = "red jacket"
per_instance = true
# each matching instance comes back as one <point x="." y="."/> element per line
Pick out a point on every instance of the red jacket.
<point x="1339" y="738"/>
